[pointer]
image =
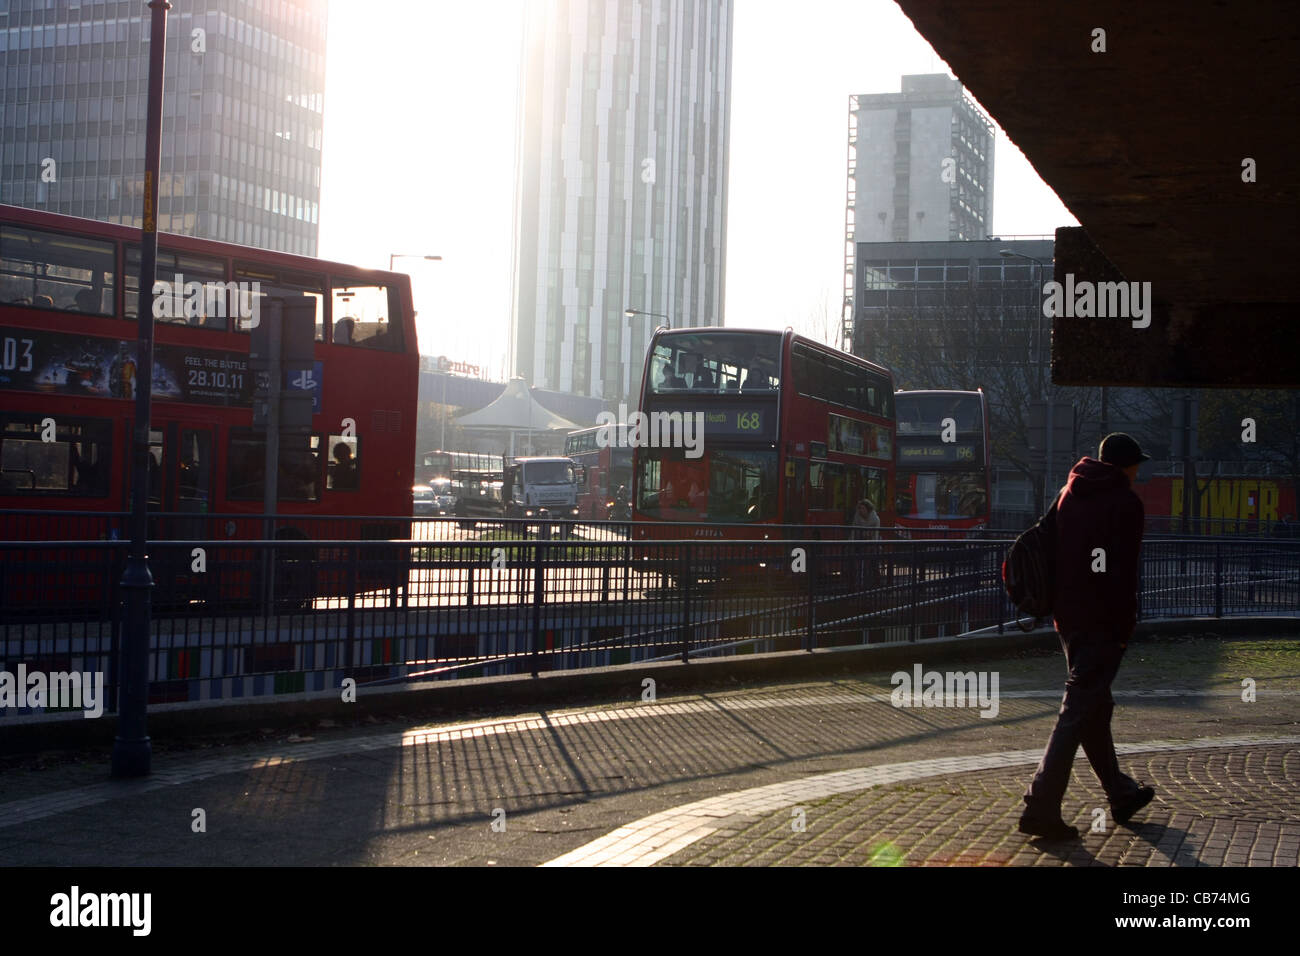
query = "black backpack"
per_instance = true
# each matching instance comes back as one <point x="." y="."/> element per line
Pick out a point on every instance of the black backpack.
<point x="1029" y="570"/>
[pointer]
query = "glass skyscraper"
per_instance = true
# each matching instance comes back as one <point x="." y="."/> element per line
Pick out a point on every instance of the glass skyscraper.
<point x="243" y="103"/>
<point x="621" y="191"/>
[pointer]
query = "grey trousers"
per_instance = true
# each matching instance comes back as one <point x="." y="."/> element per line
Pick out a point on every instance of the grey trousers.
<point x="1093" y="660"/>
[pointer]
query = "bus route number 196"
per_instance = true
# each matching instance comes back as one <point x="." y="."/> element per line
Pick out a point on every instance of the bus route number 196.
<point x="11" y="357"/>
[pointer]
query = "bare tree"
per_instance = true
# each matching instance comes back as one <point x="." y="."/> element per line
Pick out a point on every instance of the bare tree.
<point x="822" y="321"/>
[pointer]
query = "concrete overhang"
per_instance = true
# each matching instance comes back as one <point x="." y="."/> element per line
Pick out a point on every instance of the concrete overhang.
<point x="1145" y="144"/>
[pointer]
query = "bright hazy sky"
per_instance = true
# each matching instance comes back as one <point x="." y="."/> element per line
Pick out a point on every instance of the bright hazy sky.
<point x="419" y="156"/>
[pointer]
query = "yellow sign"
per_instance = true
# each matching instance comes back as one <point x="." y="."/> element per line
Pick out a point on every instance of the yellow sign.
<point x="1241" y="499"/>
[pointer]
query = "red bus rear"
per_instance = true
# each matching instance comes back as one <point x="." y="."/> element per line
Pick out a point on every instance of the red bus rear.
<point x="794" y="433"/>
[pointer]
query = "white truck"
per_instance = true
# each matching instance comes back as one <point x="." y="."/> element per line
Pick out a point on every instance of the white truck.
<point x="545" y="489"/>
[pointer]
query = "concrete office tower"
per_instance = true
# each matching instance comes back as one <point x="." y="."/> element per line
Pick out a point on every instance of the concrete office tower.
<point x="920" y="168"/>
<point x="621" y="189"/>
<point x="243" y="102"/>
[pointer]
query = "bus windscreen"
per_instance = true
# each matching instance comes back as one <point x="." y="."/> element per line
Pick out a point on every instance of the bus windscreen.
<point x="722" y="485"/>
<point x="716" y="362"/>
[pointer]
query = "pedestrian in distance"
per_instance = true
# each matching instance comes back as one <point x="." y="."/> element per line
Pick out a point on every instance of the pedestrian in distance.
<point x="1098" y="538"/>
<point x="866" y="521"/>
<point x="866" y="527"/>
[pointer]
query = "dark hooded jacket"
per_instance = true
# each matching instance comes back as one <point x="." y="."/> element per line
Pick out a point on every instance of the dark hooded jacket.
<point x="1097" y="509"/>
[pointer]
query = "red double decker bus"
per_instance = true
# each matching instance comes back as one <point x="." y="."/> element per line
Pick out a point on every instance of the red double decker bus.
<point x="607" y="466"/>
<point x="943" y="461"/>
<point x="68" y="305"/>
<point x="793" y="433"/>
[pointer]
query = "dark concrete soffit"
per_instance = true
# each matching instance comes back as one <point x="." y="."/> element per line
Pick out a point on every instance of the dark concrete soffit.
<point x="1144" y="144"/>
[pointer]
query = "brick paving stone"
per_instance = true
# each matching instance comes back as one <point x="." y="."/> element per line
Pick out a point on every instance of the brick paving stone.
<point x="950" y="820"/>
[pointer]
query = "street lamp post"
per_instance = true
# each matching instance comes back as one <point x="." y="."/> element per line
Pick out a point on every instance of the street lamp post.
<point x="1038" y="355"/>
<point x="392" y="257"/>
<point x="633" y="313"/>
<point x="132" y="748"/>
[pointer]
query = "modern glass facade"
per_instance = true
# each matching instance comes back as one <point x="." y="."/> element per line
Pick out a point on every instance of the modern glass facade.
<point x="960" y="315"/>
<point x="621" y="190"/>
<point x="243" y="103"/>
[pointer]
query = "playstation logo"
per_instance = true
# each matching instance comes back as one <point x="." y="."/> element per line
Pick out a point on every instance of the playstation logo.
<point x="305" y="380"/>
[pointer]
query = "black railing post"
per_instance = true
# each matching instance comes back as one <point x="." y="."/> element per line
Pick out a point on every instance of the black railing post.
<point x="539" y="595"/>
<point x="1001" y="599"/>
<point x="350" y="646"/>
<point x="1142" y="564"/>
<point x="687" y="579"/>
<point x="1218" y="579"/>
<point x="916" y="588"/>
<point x="810" y="630"/>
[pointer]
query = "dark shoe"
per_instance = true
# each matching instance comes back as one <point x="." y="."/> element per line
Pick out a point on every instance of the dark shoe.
<point x="1056" y="829"/>
<point x="1123" y="812"/>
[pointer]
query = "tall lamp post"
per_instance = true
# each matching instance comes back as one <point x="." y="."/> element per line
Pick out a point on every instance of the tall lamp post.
<point x="401" y="255"/>
<point x="1038" y="356"/>
<point x="132" y="748"/>
<point x="632" y="313"/>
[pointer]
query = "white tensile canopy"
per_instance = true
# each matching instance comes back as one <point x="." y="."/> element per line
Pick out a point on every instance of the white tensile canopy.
<point x="514" y="411"/>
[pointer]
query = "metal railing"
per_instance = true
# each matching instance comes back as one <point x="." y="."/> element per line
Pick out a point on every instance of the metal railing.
<point x="249" y="618"/>
<point x="46" y="525"/>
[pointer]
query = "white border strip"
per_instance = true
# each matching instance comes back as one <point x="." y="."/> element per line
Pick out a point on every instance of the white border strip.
<point x="651" y="839"/>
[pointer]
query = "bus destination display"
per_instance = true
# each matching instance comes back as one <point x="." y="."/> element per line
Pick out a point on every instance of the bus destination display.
<point x="937" y="453"/>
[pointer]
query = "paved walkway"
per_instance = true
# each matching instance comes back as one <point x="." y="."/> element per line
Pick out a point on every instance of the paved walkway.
<point x="819" y="773"/>
<point x="963" y="817"/>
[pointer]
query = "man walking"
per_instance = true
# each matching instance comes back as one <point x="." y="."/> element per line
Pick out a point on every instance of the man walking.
<point x="1098" y="535"/>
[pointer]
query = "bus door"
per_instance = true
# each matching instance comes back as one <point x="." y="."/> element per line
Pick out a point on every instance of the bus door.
<point x="923" y="504"/>
<point x="796" y="491"/>
<point x="180" y="478"/>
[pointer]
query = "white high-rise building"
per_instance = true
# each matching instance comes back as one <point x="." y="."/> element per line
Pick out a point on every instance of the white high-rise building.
<point x="621" y="185"/>
<point x="920" y="170"/>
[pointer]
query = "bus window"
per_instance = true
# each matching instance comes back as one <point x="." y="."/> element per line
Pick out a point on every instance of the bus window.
<point x="730" y="486"/>
<point x="207" y="304"/>
<point x="194" y="482"/>
<point x="52" y="271"/>
<point x="828" y="487"/>
<point x="299" y="473"/>
<point x="286" y="286"/>
<point x="829" y="378"/>
<point x="75" y="463"/>
<point x="344" y="469"/>
<point x="711" y="363"/>
<point x="363" y="316"/>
